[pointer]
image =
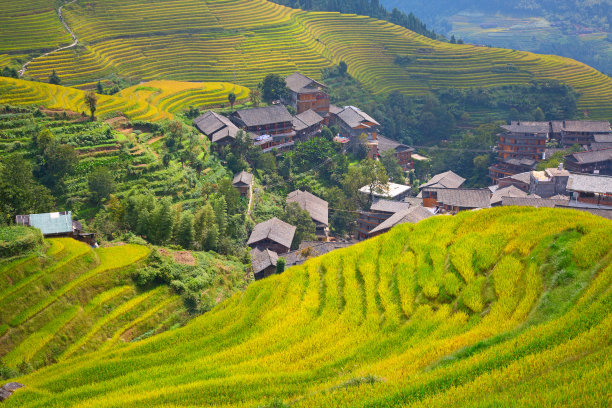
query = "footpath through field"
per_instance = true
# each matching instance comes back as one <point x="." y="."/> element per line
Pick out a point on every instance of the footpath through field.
<point x="74" y="42"/>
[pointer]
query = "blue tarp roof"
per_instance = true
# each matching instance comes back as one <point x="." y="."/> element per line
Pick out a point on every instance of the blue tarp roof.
<point x="52" y="223"/>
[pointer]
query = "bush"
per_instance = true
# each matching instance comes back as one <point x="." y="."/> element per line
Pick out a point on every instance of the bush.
<point x="18" y="240"/>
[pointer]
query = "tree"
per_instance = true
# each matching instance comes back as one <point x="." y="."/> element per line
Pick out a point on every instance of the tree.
<point x="9" y="72"/>
<point x="230" y="194"/>
<point x="392" y="166"/>
<point x="231" y="97"/>
<point x="342" y="68"/>
<point x="91" y="100"/>
<point x="369" y="173"/>
<point x="273" y="87"/>
<point x="54" y="78"/>
<point x="255" y="97"/>
<point x="54" y="160"/>
<point x="280" y="265"/>
<point x="161" y="218"/>
<point x="327" y="134"/>
<point x="100" y="88"/>
<point x="453" y="40"/>
<point x="101" y="184"/>
<point x="538" y="115"/>
<point x="184" y="236"/>
<point x="305" y="226"/>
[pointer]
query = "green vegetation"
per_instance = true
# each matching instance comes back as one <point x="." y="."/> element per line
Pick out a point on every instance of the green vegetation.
<point x="18" y="240"/>
<point x="223" y="40"/>
<point x="74" y="299"/>
<point x="485" y="308"/>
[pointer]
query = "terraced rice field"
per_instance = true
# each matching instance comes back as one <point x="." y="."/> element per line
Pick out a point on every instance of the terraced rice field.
<point x="77" y="299"/>
<point x="28" y="93"/>
<point x="499" y="307"/>
<point x="240" y="41"/>
<point x="175" y="96"/>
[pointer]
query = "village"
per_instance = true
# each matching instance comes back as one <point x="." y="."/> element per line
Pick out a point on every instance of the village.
<point x="584" y="182"/>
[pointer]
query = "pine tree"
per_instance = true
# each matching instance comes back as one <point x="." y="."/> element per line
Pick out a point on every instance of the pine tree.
<point x="220" y="207"/>
<point x="185" y="231"/>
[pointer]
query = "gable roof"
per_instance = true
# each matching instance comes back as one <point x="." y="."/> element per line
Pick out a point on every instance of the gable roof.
<point x="411" y="215"/>
<point x="591" y="156"/>
<point x="262" y="259"/>
<point x="313" y="249"/>
<point x="306" y="119"/>
<point x="530" y="201"/>
<point x="447" y="179"/>
<point x="590" y="183"/>
<point x="384" y="144"/>
<point x="355" y="117"/>
<point x="527" y="127"/>
<point x="244" y="178"/>
<point x="48" y="223"/>
<point x="215" y="126"/>
<point x="388" y="206"/>
<point x="586" y="126"/>
<point x="510" y="191"/>
<point x="274" y="230"/>
<point x="316" y="207"/>
<point x="520" y="177"/>
<point x="264" y="116"/>
<point x="300" y="83"/>
<point x="463" y="198"/>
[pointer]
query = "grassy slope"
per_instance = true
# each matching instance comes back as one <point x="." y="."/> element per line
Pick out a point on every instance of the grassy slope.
<point x="241" y="41"/>
<point x="488" y="308"/>
<point x="77" y="299"/>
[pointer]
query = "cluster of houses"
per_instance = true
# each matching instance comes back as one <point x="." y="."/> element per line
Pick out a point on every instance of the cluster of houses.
<point x="274" y="129"/>
<point x="523" y="144"/>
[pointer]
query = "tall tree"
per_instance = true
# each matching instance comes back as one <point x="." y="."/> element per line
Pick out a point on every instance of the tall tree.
<point x="185" y="231"/>
<point x="273" y="87"/>
<point x="255" y="96"/>
<point x="231" y="97"/>
<point x="101" y="184"/>
<point x="54" y="78"/>
<point x="392" y="166"/>
<point x="91" y="100"/>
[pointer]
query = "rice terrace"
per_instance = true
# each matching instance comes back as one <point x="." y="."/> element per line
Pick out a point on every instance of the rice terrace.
<point x="299" y="203"/>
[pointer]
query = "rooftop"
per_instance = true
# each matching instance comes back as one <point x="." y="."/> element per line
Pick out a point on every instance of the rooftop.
<point x="262" y="259"/>
<point x="589" y="183"/>
<point x="448" y="179"/>
<point x="300" y="83"/>
<point x="316" y="207"/>
<point x="532" y="202"/>
<point x="463" y="198"/>
<point x="521" y="177"/>
<point x="509" y="191"/>
<point x="388" y="206"/>
<point x="527" y="127"/>
<point x="266" y="115"/>
<point x="410" y="215"/>
<point x="48" y="223"/>
<point x="215" y="126"/>
<point x="586" y="126"/>
<point x="355" y="117"/>
<point x="392" y="190"/>
<point x="243" y="178"/>
<point x="274" y="230"/>
<point x="310" y="249"/>
<point x="306" y="119"/>
<point x="591" y="156"/>
<point x="384" y="144"/>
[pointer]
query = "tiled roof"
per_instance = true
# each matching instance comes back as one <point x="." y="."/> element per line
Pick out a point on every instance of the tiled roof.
<point x="274" y="230"/>
<point x="264" y="116"/>
<point x="448" y="179"/>
<point x="298" y="83"/>
<point x="463" y="198"/>
<point x="532" y="202"/>
<point x="510" y="191"/>
<point x="309" y="250"/>
<point x="244" y="178"/>
<point x="592" y="156"/>
<point x="603" y="138"/>
<point x="389" y="206"/>
<point x="384" y="144"/>
<point x="414" y="201"/>
<point x="262" y="259"/>
<point x="586" y="126"/>
<point x="522" y="177"/>
<point x="588" y="183"/>
<point x="520" y="162"/>
<point x="355" y="117"/>
<point x="410" y="215"/>
<point x="306" y="119"/>
<point x="316" y="207"/>
<point x="527" y="127"/>
<point x="215" y="126"/>
<point x="48" y="223"/>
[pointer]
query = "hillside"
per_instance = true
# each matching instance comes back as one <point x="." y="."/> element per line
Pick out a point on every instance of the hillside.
<point x="73" y="299"/>
<point x="487" y="308"/>
<point x="241" y="41"/>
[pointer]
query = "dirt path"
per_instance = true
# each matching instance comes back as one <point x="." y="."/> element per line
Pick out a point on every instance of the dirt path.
<point x="74" y="38"/>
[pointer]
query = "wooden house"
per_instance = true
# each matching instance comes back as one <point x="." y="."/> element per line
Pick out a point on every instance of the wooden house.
<point x="271" y="126"/>
<point x="411" y="215"/>
<point x="591" y="161"/>
<point x="353" y="122"/>
<point x="274" y="234"/>
<point x="590" y="189"/>
<point x="243" y="182"/>
<point x="263" y="262"/>
<point x="316" y="207"/>
<point x="519" y="180"/>
<point x="448" y="179"/>
<point x="306" y="94"/>
<point x="56" y="224"/>
<point x="454" y="200"/>
<point x="402" y="152"/>
<point x="307" y="124"/>
<point x="380" y="211"/>
<point x="219" y="129"/>
<point x="501" y="193"/>
<point x="582" y="132"/>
